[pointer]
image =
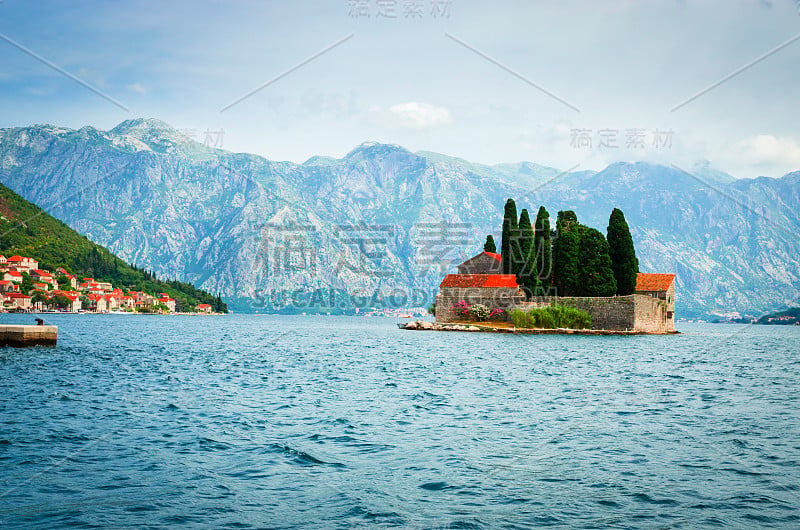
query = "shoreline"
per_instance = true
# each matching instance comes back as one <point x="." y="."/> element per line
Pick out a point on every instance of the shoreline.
<point x="473" y="327"/>
<point x="107" y="313"/>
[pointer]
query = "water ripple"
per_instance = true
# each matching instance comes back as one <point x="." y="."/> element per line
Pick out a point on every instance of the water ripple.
<point x="310" y="422"/>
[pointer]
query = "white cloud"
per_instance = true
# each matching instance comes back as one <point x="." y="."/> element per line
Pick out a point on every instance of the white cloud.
<point x="138" y="88"/>
<point x="763" y="154"/>
<point x="412" y="115"/>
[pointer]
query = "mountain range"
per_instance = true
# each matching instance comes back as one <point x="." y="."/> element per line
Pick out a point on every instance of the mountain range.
<point x="382" y="225"/>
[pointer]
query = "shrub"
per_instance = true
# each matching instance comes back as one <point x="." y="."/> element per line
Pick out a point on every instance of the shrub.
<point x="519" y="318"/>
<point x="497" y="314"/>
<point x="556" y="316"/>
<point x="461" y="308"/>
<point x="479" y="312"/>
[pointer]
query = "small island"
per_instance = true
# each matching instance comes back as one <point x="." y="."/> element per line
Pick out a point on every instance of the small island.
<point x="569" y="280"/>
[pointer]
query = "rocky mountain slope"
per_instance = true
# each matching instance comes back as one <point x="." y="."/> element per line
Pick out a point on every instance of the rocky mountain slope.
<point x="382" y="224"/>
<point x="27" y="230"/>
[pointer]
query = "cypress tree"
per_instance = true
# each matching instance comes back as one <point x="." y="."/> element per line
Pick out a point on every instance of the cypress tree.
<point x="543" y="250"/>
<point x="596" y="277"/>
<point x="527" y="276"/>
<point x="565" y="254"/>
<point x="508" y="242"/>
<point x="623" y="255"/>
<point x="489" y="246"/>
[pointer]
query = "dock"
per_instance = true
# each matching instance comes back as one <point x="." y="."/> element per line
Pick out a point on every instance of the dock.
<point x="22" y="335"/>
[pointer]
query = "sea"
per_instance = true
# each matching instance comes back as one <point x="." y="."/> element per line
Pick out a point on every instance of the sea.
<point x="266" y="421"/>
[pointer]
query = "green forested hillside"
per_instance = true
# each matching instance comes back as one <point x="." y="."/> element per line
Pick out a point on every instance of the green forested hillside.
<point x="27" y="230"/>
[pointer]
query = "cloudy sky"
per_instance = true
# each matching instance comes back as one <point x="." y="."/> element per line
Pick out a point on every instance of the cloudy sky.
<point x="562" y="83"/>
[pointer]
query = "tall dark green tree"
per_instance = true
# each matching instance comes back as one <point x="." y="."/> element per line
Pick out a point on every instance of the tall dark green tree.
<point x="544" y="257"/>
<point x="566" y="254"/>
<point x="623" y="255"/>
<point x="508" y="245"/>
<point x="596" y="278"/>
<point x="527" y="276"/>
<point x="489" y="246"/>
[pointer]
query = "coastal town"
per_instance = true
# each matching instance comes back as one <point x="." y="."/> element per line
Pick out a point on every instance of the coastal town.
<point x="27" y="288"/>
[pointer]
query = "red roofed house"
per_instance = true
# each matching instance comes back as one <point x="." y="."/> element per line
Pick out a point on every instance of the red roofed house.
<point x="3" y="260"/>
<point x="492" y="290"/>
<point x="8" y="287"/>
<point x="17" y="301"/>
<point x="143" y="299"/>
<point x="661" y="286"/>
<point x="126" y="301"/>
<point x="44" y="276"/>
<point x="22" y="263"/>
<point x="39" y="273"/>
<point x="204" y="308"/>
<point x="41" y="286"/>
<point x="13" y="276"/>
<point x="96" y="303"/>
<point x="483" y="263"/>
<point x="112" y="301"/>
<point x="167" y="301"/>
<point x="74" y="297"/>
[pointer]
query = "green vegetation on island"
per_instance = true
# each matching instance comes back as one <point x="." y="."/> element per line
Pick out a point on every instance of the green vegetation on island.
<point x="551" y="317"/>
<point x="489" y="246"/>
<point x="572" y="260"/>
<point x="28" y="230"/>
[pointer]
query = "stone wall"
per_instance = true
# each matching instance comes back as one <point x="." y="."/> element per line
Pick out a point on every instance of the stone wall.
<point x="501" y="297"/>
<point x="652" y="314"/>
<point x="615" y="313"/>
<point x="634" y="312"/>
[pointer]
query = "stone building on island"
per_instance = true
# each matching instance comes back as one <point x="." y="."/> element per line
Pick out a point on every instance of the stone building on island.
<point x="491" y="290"/>
<point x="660" y="286"/>
<point x="483" y="263"/>
<point x="650" y="309"/>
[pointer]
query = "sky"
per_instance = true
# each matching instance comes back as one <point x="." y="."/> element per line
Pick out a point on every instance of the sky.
<point x="567" y="84"/>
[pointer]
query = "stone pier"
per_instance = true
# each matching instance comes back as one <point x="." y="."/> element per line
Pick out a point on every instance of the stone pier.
<point x="21" y="335"/>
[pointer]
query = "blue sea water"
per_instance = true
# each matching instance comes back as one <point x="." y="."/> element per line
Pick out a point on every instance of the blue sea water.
<point x="336" y="422"/>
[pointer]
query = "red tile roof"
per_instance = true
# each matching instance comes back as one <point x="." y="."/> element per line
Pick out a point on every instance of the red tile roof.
<point x="480" y="280"/>
<point x="15" y="273"/>
<point x="654" y="282"/>
<point x="16" y="258"/>
<point x="16" y="295"/>
<point x="494" y="255"/>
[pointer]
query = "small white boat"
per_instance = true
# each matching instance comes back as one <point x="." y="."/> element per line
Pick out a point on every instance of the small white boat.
<point x="401" y="324"/>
